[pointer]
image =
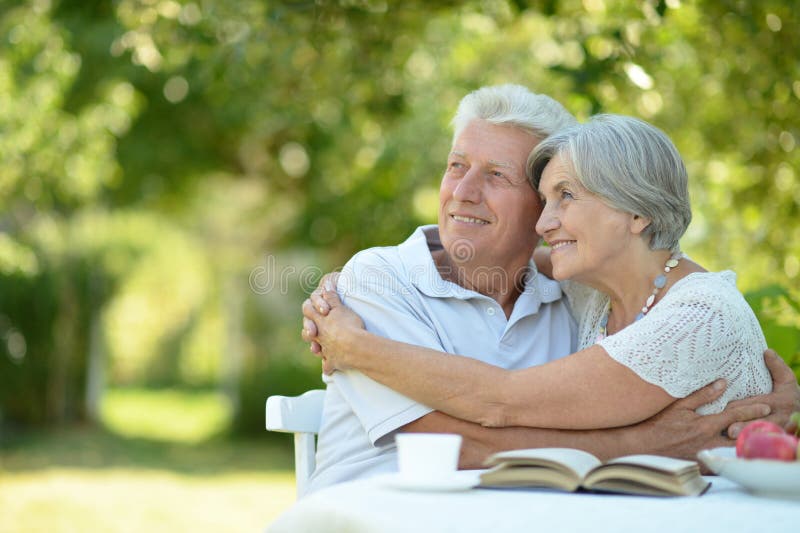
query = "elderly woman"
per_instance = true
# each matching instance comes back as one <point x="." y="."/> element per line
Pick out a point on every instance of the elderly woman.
<point x="653" y="325"/>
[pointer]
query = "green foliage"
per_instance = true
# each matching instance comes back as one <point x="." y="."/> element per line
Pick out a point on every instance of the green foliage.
<point x="47" y="306"/>
<point x="280" y="375"/>
<point x="26" y="356"/>
<point x="778" y="311"/>
<point x="166" y="415"/>
<point x="157" y="153"/>
<point x="53" y="158"/>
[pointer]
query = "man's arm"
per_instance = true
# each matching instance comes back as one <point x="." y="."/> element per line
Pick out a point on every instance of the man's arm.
<point x="677" y="431"/>
<point x="379" y="291"/>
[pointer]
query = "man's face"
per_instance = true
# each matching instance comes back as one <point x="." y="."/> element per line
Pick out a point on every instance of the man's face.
<point x="487" y="208"/>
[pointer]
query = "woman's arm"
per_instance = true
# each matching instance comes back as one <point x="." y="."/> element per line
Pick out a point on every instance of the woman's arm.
<point x="583" y="391"/>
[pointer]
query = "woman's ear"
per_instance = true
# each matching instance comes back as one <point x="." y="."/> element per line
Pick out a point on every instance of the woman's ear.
<point x="639" y="224"/>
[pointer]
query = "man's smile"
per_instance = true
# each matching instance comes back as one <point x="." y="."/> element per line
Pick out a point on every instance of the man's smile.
<point x="468" y="219"/>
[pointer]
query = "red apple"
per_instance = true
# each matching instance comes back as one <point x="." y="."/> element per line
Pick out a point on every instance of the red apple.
<point x="753" y="428"/>
<point x="782" y="447"/>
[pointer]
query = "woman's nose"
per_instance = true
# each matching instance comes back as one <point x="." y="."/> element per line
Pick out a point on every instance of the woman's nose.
<point x="547" y="222"/>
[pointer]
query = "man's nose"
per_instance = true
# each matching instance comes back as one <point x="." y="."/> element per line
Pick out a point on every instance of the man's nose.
<point x="469" y="187"/>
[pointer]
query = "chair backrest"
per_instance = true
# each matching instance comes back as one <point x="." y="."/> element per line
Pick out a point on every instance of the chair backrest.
<point x="302" y="416"/>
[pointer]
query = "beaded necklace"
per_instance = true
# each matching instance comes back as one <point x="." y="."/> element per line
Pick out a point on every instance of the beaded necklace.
<point x="658" y="284"/>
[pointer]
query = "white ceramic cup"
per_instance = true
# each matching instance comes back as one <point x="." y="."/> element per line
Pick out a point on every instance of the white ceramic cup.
<point x="427" y="455"/>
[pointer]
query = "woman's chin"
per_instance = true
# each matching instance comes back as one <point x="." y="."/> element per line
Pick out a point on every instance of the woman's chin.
<point x="560" y="274"/>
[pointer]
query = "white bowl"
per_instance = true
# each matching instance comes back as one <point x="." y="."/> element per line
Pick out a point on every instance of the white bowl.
<point x="765" y="477"/>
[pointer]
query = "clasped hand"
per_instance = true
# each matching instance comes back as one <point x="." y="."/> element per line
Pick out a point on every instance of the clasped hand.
<point x="329" y="325"/>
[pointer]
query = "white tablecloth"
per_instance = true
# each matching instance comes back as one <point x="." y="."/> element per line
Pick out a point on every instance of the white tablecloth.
<point x="369" y="506"/>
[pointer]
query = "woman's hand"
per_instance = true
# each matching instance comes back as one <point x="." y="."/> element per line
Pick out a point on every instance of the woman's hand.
<point x="309" y="331"/>
<point x="331" y="325"/>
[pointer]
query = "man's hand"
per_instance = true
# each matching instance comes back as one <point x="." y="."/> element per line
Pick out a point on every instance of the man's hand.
<point x="678" y="431"/>
<point x="783" y="400"/>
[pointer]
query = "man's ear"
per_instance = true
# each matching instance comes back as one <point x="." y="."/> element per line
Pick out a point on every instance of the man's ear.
<point x="639" y="224"/>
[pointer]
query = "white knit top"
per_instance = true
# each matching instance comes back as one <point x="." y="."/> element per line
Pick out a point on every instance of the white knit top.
<point x="702" y="329"/>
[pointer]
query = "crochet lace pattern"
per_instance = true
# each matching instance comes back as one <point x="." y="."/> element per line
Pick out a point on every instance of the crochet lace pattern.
<point x="701" y="330"/>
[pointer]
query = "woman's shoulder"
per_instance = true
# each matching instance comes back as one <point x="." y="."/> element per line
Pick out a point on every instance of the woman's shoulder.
<point x="705" y="284"/>
<point x="703" y="276"/>
<point x="714" y="291"/>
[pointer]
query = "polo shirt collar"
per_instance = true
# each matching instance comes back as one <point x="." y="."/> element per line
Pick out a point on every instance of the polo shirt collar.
<point x="415" y="254"/>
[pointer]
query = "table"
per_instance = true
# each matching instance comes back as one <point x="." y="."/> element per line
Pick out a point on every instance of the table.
<point x="369" y="506"/>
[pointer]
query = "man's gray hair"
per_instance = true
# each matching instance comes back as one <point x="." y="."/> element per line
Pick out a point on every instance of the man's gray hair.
<point x="512" y="105"/>
<point x="632" y="165"/>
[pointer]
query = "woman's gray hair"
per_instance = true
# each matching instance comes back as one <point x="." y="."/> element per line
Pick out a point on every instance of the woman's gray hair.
<point x="632" y="165"/>
<point x="512" y="105"/>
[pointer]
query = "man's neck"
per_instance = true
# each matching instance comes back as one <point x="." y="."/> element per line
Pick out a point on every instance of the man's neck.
<point x="503" y="284"/>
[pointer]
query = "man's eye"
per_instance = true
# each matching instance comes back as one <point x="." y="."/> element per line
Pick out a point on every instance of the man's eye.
<point x="566" y="195"/>
<point x="501" y="177"/>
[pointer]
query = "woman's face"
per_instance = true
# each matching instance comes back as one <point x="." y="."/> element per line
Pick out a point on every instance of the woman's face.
<point x="588" y="238"/>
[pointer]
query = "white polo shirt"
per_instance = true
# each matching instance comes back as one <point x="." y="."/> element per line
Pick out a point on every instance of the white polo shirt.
<point x="399" y="294"/>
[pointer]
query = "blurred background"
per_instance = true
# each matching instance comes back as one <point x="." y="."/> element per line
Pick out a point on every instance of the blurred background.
<point x="175" y="176"/>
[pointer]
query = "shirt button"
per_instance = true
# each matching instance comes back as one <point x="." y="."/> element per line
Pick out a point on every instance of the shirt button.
<point x="490" y="311"/>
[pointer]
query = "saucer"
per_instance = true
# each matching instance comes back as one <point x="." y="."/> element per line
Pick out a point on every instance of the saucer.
<point x="454" y="481"/>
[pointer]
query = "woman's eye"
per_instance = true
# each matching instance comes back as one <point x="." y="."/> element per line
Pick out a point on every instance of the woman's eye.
<point x="566" y="195"/>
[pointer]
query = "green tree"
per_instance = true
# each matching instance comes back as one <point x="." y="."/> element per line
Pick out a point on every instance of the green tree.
<point x="176" y="174"/>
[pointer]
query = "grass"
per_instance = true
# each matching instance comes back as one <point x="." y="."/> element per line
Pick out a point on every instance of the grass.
<point x="160" y="464"/>
<point x="191" y="417"/>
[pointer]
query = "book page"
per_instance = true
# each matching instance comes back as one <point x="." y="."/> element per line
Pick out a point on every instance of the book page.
<point x="629" y="479"/>
<point x="655" y="462"/>
<point x="648" y="474"/>
<point x="578" y="461"/>
<point x="505" y="475"/>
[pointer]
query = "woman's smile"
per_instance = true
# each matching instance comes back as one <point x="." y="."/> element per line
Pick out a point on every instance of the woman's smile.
<point x="559" y="245"/>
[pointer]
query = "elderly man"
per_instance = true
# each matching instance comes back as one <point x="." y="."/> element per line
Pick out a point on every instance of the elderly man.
<point x="468" y="286"/>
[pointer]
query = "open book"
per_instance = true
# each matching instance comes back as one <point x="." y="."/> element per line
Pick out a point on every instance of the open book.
<point x="569" y="469"/>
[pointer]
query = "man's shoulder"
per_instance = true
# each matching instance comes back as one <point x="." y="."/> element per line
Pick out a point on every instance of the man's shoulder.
<point x="382" y="264"/>
<point x="378" y="256"/>
<point x="373" y="266"/>
<point x="377" y="274"/>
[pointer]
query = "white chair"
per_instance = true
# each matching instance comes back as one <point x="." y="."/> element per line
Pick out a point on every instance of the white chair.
<point x="302" y="416"/>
